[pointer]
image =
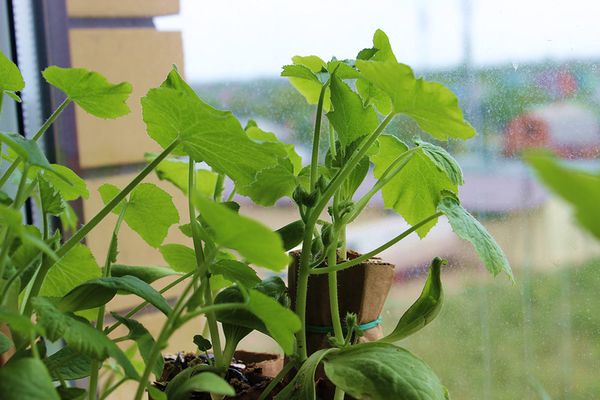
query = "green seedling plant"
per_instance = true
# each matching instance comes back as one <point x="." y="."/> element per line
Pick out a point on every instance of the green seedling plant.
<point x="52" y="288"/>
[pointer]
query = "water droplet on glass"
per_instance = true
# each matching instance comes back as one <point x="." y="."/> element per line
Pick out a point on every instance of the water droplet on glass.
<point x="515" y="66"/>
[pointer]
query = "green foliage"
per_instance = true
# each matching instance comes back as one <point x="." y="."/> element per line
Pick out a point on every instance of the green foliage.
<point x="73" y="269"/>
<point x="254" y="241"/>
<point x="291" y="234"/>
<point x="150" y="211"/>
<point x="26" y="379"/>
<point x="468" y="228"/>
<point x="73" y="188"/>
<point x="97" y="292"/>
<point x="302" y="387"/>
<point x="202" y="343"/>
<point x="579" y="188"/>
<point x="68" y="364"/>
<point x="303" y="76"/>
<point x="425" y="308"/>
<point x="413" y="197"/>
<point x="236" y="271"/>
<point x="147" y="274"/>
<point x="382" y="371"/>
<point x="144" y="340"/>
<point x="11" y="79"/>
<point x="90" y="90"/>
<point x="184" y="384"/>
<point x="179" y="257"/>
<point x="29" y="151"/>
<point x="79" y="335"/>
<point x="5" y="343"/>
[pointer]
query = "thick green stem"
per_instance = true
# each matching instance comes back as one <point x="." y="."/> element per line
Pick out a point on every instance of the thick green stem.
<point x="203" y="267"/>
<point x="314" y="161"/>
<point x="37" y="135"/>
<point x="95" y="367"/>
<point x="364" y="257"/>
<point x="333" y="294"/>
<point x="304" y="263"/>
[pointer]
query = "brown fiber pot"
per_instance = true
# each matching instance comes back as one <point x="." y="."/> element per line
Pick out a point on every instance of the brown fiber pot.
<point x="362" y="289"/>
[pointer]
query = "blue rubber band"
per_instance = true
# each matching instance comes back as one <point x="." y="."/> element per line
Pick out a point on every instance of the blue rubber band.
<point x="329" y="329"/>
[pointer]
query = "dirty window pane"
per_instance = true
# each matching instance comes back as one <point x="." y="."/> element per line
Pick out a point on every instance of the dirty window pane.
<point x="526" y="75"/>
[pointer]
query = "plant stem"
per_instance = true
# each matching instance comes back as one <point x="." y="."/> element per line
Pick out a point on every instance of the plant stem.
<point x="364" y="257"/>
<point x="304" y="263"/>
<point x="211" y="319"/>
<point x="112" y="388"/>
<point x="339" y="394"/>
<point x="314" y="161"/>
<point x="333" y="292"/>
<point x="218" y="193"/>
<point x="95" y="367"/>
<point x="37" y="135"/>
<point x="280" y="376"/>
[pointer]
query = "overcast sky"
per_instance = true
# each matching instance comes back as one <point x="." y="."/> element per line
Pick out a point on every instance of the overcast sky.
<point x="244" y="39"/>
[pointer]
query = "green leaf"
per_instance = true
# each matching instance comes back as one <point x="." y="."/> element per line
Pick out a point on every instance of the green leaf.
<point x="291" y="234"/>
<point x="91" y="91"/>
<point x="202" y="343"/>
<point x="270" y="140"/>
<point x="579" y="188"/>
<point x="382" y="371"/>
<point x="147" y="274"/>
<point x="17" y="322"/>
<point x="12" y="218"/>
<point x="52" y="202"/>
<point x="29" y="151"/>
<point x="10" y="76"/>
<point x="302" y="77"/>
<point x="302" y="387"/>
<point x="350" y="118"/>
<point x="184" y="384"/>
<point x="68" y="364"/>
<point x="97" y="292"/>
<point x="433" y="106"/>
<point x="471" y="230"/>
<point x="107" y="193"/>
<point x="71" y="393"/>
<point x="74" y="268"/>
<point x="236" y="271"/>
<point x="415" y="191"/>
<point x="254" y="241"/>
<point x="144" y="340"/>
<point x="179" y="257"/>
<point x="74" y="188"/>
<point x="174" y="112"/>
<point x="26" y="379"/>
<point x="5" y="343"/>
<point x="443" y="160"/>
<point x="82" y="337"/>
<point x="425" y="309"/>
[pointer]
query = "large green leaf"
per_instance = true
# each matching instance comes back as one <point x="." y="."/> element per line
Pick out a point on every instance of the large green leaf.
<point x="10" y="77"/>
<point x="51" y="200"/>
<point x="468" y="228"/>
<point x="350" y="118"/>
<point x="173" y="111"/>
<point x="150" y="211"/>
<point x="179" y="257"/>
<point x="82" y="337"/>
<point x="68" y="364"/>
<point x="175" y="171"/>
<point x="71" y="190"/>
<point x="382" y="371"/>
<point x="26" y="379"/>
<point x="254" y="241"/>
<point x="302" y="387"/>
<point x="414" y="192"/>
<point x="144" y="341"/>
<point x="579" y="188"/>
<point x="425" y="309"/>
<point x="97" y="292"/>
<point x="270" y="140"/>
<point x="433" y="106"/>
<point x="74" y="268"/>
<point x="147" y="274"/>
<point x="443" y="160"/>
<point x="184" y="384"/>
<point x="90" y="90"/>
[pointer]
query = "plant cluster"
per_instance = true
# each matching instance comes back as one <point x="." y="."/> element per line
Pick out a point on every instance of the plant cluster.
<point x="52" y="289"/>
